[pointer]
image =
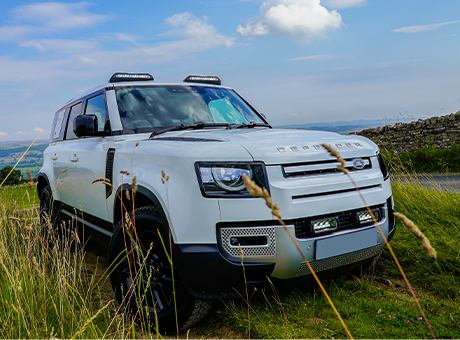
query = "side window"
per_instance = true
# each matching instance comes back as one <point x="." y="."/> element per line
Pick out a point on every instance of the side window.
<point x="57" y="124"/>
<point x="74" y="111"/>
<point x="96" y="106"/>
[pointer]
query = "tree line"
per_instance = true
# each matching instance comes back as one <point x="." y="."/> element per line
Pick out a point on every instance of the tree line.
<point x="13" y="179"/>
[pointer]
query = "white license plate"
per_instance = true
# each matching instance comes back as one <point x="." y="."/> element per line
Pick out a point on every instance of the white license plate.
<point x="347" y="243"/>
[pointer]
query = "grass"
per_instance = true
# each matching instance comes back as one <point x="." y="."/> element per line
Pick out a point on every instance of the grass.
<point x="427" y="160"/>
<point x="378" y="304"/>
<point x="46" y="290"/>
<point x="22" y="197"/>
<point x="57" y="296"/>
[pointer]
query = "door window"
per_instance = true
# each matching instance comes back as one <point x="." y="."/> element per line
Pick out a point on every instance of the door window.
<point x="74" y="111"/>
<point x="96" y="106"/>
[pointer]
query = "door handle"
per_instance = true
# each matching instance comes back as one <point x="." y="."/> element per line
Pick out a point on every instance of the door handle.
<point x="74" y="158"/>
<point x="54" y="157"/>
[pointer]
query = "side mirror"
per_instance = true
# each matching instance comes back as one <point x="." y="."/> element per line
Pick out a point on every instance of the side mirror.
<point x="84" y="125"/>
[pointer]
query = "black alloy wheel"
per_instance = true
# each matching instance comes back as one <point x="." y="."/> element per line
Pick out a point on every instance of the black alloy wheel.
<point x="143" y="277"/>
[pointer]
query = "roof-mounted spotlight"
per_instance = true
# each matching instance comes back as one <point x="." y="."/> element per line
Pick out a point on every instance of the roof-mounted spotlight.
<point x="119" y="77"/>
<point x="203" y="79"/>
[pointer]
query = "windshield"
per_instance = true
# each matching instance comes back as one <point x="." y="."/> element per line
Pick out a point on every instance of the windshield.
<point x="149" y="108"/>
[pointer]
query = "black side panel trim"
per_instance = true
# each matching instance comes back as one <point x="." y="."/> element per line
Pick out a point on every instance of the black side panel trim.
<point x="87" y="217"/>
<point x="109" y="171"/>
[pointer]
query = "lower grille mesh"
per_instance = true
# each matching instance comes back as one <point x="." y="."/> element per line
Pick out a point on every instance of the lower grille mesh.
<point x="338" y="261"/>
<point x="249" y="251"/>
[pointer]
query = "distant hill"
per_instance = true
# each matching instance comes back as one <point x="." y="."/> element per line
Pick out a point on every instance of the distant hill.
<point x="345" y="127"/>
<point x="11" y="152"/>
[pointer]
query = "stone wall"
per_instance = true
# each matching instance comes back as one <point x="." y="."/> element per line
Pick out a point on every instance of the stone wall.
<point x="439" y="132"/>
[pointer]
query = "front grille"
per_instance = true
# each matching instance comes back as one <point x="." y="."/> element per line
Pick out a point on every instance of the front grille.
<point x="346" y="220"/>
<point x="323" y="167"/>
<point x="339" y="260"/>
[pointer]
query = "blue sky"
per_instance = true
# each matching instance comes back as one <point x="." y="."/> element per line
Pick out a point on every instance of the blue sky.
<point x="296" y="61"/>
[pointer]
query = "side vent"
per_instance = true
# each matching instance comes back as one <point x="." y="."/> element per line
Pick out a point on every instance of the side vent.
<point x="109" y="171"/>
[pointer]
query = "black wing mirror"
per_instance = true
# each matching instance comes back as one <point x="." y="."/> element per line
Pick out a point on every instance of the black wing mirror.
<point x="86" y="125"/>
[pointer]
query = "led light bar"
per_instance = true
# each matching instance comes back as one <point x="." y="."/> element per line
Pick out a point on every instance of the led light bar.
<point x="119" y="77"/>
<point x="324" y="225"/>
<point x="203" y="79"/>
<point x="365" y="217"/>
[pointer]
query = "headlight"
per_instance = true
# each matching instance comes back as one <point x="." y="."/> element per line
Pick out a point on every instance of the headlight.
<point x="226" y="179"/>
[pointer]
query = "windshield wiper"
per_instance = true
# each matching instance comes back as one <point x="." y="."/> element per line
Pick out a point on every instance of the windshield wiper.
<point x="249" y="125"/>
<point x="197" y="125"/>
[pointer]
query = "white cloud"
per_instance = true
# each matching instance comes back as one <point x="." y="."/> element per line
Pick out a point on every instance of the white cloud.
<point x="21" y="133"/>
<point x="422" y="28"/>
<point x="126" y="37"/>
<point x="58" y="15"/>
<point x="303" y="19"/>
<point x="60" y="45"/>
<point x="315" y="57"/>
<point x="196" y="29"/>
<point x="340" y="4"/>
<point x="3" y="134"/>
<point x="13" y="33"/>
<point x="39" y="130"/>
<point x="35" y="44"/>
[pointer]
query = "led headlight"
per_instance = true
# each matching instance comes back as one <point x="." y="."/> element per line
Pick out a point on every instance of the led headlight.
<point x="226" y="179"/>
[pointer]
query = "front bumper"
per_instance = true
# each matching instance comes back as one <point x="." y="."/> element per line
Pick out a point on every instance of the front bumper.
<point x="212" y="270"/>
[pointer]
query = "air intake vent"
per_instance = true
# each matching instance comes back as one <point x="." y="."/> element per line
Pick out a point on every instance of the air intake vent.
<point x="109" y="171"/>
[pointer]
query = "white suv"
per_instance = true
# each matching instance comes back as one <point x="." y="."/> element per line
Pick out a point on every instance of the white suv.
<point x="184" y="147"/>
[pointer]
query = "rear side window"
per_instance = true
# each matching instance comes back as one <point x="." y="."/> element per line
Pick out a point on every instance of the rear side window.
<point x="57" y="124"/>
<point x="96" y="106"/>
<point x="74" y="111"/>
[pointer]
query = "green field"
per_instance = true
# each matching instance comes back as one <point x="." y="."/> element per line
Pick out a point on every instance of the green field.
<point x="376" y="305"/>
<point x="11" y="152"/>
<point x="22" y="196"/>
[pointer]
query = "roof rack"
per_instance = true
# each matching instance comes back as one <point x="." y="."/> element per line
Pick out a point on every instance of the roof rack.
<point x="203" y="79"/>
<point x="119" y="76"/>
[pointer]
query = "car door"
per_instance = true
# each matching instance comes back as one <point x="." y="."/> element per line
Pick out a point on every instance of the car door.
<point x="85" y="162"/>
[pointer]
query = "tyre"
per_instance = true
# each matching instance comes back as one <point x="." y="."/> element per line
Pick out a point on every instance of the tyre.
<point x="143" y="278"/>
<point x="51" y="223"/>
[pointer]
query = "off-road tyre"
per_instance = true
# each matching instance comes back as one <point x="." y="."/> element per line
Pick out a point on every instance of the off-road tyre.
<point x="134" y="294"/>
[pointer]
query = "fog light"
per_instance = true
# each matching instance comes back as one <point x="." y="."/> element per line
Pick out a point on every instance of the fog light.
<point x="364" y="217"/>
<point x="248" y="241"/>
<point x="324" y="225"/>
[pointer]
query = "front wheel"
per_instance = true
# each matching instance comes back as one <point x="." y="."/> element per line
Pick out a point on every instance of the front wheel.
<point x="144" y="280"/>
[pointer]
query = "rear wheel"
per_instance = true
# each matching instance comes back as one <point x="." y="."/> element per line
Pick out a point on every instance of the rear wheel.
<point x="143" y="279"/>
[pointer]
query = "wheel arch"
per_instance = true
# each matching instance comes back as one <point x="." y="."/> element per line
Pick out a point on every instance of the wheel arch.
<point x="42" y="182"/>
<point x="143" y="197"/>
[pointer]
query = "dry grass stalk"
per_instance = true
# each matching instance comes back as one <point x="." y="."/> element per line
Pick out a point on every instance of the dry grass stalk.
<point x="31" y="179"/>
<point x="164" y="178"/>
<point x="246" y="286"/>
<point x="256" y="191"/>
<point x="339" y="158"/>
<point x="20" y="159"/>
<point x="334" y="153"/>
<point x="134" y="186"/>
<point x="430" y="251"/>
